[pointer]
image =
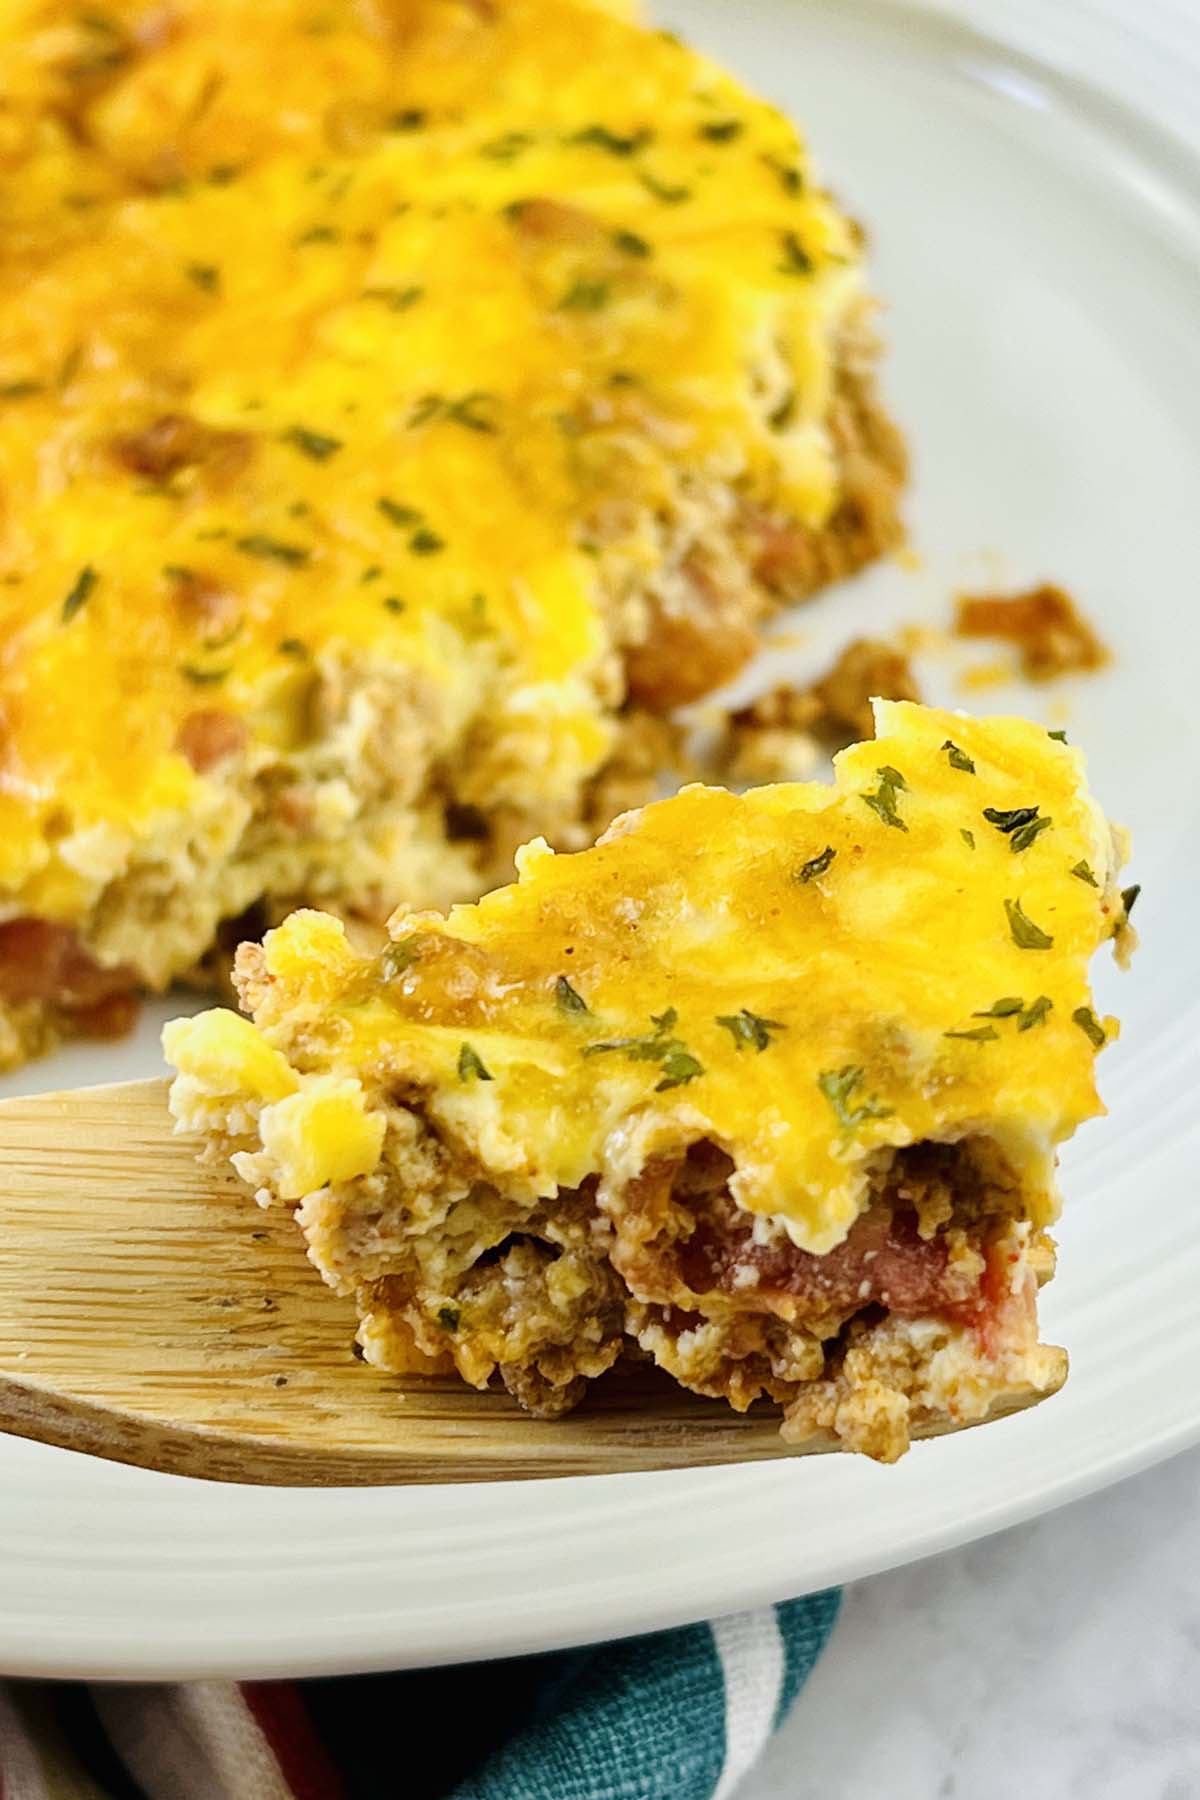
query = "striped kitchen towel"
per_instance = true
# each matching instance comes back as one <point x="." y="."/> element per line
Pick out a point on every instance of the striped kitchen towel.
<point x="681" y="1715"/>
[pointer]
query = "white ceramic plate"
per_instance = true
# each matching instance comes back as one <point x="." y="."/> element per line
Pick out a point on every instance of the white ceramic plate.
<point x="1037" y="230"/>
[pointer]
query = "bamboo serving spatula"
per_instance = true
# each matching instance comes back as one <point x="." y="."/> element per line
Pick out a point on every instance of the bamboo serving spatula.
<point x="151" y="1313"/>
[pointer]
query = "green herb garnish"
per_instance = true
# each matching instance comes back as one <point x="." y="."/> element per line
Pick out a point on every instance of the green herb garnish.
<point x="721" y="131"/>
<point x="314" y="444"/>
<point x="1001" y="1009"/>
<point x="393" y="603"/>
<point x="1024" y="835"/>
<point x="968" y="837"/>
<point x="1060" y="737"/>
<point x="81" y="591"/>
<point x="395" y="958"/>
<point x="838" y="1087"/>
<point x="883" y="800"/>
<point x="319" y="234"/>
<point x="506" y="147"/>
<point x="666" y="191"/>
<point x="293" y="646"/>
<point x="463" y="411"/>
<point x="425" y="542"/>
<point x="979" y="1034"/>
<point x="631" y="243"/>
<point x="256" y="544"/>
<point x="1010" y="821"/>
<point x="790" y="177"/>
<point x="568" y="1001"/>
<point x="396" y="299"/>
<point x="1083" y="872"/>
<point x="1025" y="934"/>
<point x="674" y="1058"/>
<point x="816" y="865"/>
<point x="1129" y="897"/>
<point x="585" y="295"/>
<point x="470" y="1066"/>
<point x="748" y="1029"/>
<point x="601" y="138"/>
<point x="412" y="118"/>
<point x="796" y="260"/>
<point x="958" y="759"/>
<point x="782" y="415"/>
<point x="205" y="275"/>
<point x="1035" y="1012"/>
<point x="396" y="513"/>
<point x="202" y="677"/>
<point x="448" y="1317"/>
<point x="1090" y="1025"/>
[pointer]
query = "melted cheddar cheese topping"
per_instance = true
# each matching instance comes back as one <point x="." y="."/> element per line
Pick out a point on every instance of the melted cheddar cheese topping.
<point x="397" y="328"/>
<point x="806" y="975"/>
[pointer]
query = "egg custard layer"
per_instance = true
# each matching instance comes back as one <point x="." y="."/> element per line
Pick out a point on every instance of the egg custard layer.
<point x="766" y="1087"/>
<point x="402" y="405"/>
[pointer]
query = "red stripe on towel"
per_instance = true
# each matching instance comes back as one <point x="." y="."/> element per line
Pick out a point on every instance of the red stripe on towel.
<point x="304" y="1762"/>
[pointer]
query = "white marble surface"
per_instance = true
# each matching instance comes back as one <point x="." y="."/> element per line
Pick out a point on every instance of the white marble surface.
<point x="1057" y="1661"/>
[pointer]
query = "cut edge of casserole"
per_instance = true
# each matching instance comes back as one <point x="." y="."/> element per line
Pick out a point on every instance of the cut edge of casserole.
<point x="374" y="489"/>
<point x="765" y="1089"/>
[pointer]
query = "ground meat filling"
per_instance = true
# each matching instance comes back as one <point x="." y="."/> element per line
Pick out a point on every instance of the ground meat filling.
<point x="681" y="1241"/>
<point x="44" y="961"/>
<point x="670" y="1266"/>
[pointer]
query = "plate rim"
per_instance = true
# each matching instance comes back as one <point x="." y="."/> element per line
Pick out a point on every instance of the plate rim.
<point x="146" y="1645"/>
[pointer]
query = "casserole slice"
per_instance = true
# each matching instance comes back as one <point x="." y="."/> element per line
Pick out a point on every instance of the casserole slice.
<point x="767" y="1089"/>
<point x="402" y="409"/>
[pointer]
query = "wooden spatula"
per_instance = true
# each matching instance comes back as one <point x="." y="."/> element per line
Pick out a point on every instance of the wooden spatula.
<point x="151" y="1313"/>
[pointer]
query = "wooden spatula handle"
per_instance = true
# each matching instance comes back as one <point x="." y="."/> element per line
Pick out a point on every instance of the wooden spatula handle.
<point x="151" y="1313"/>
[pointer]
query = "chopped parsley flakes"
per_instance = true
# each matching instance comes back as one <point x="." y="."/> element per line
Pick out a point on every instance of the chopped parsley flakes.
<point x="838" y="1087"/>
<point x="796" y="260"/>
<point x="1035" y="1012"/>
<point x="464" y="411"/>
<point x="1089" y="1024"/>
<point x="1020" y="825"/>
<point x="676" y="1061"/>
<point x="395" y="958"/>
<point x="314" y="444"/>
<point x="1001" y="1009"/>
<point x="721" y="131"/>
<point x="978" y="1034"/>
<point x="396" y="513"/>
<point x="748" y="1029"/>
<point x="396" y="299"/>
<point x="471" y="1066"/>
<point x="958" y="759"/>
<point x="80" y="592"/>
<point x="816" y="865"/>
<point x="425" y="542"/>
<point x="272" y="549"/>
<point x="568" y="1001"/>
<point x="669" y="193"/>
<point x="599" y="137"/>
<point x="883" y="800"/>
<point x="1083" y="872"/>
<point x="448" y="1317"/>
<point x="631" y="244"/>
<point x="585" y="295"/>
<point x="1025" y="934"/>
